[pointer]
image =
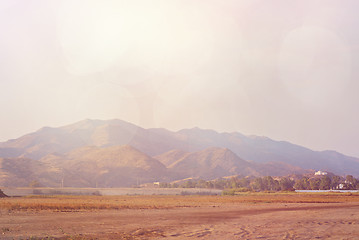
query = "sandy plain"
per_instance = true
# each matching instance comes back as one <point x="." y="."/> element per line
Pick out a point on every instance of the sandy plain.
<point x="282" y="216"/>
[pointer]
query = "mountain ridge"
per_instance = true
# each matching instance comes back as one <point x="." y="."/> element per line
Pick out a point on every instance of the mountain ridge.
<point x="157" y="141"/>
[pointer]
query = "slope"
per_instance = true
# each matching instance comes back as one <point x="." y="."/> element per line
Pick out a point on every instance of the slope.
<point x="158" y="141"/>
<point x="115" y="166"/>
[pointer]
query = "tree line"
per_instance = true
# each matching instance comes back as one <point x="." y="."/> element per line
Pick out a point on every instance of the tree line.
<point x="269" y="183"/>
<point x="327" y="183"/>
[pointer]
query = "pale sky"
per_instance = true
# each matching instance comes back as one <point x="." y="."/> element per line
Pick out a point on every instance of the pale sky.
<point x="287" y="70"/>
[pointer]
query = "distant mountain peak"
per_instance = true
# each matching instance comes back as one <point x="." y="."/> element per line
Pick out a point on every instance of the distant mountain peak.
<point x="197" y="129"/>
<point x="157" y="142"/>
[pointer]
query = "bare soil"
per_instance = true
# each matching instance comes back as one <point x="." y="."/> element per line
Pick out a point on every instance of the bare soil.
<point x="219" y="221"/>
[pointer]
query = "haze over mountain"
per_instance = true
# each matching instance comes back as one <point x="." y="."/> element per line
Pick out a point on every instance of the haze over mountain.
<point x="208" y="163"/>
<point x="213" y="162"/>
<point x="125" y="166"/>
<point x="17" y="171"/>
<point x="95" y="146"/>
<point x="108" y="166"/>
<point x="24" y="172"/>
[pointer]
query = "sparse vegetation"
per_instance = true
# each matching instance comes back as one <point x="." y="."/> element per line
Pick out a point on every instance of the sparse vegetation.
<point x="94" y="203"/>
<point x="268" y="183"/>
<point x="34" y="184"/>
<point x="5" y="230"/>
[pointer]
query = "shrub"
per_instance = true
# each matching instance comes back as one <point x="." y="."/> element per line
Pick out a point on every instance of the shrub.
<point x="230" y="192"/>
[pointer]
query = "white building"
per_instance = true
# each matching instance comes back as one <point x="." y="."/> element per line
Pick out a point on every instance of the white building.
<point x="320" y="173"/>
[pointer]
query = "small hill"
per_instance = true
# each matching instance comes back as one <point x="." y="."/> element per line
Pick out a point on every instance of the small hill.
<point x="115" y="166"/>
<point x="15" y="172"/>
<point x="170" y="157"/>
<point x="209" y="164"/>
<point x="215" y="162"/>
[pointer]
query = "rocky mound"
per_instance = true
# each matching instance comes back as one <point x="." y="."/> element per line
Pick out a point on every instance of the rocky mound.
<point x="2" y="194"/>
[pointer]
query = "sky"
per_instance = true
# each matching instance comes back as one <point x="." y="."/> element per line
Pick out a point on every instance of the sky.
<point x="283" y="69"/>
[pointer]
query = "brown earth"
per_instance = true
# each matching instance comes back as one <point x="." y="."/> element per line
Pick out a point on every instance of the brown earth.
<point x="218" y="221"/>
<point x="2" y="194"/>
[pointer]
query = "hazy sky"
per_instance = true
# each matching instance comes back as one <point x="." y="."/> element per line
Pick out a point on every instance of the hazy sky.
<point x="288" y="70"/>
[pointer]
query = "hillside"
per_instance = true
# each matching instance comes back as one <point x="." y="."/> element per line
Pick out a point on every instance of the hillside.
<point x="155" y="142"/>
<point x="210" y="163"/>
<point x="116" y="166"/>
<point x="125" y="166"/>
<point x="216" y="162"/>
<point x="171" y="157"/>
<point x="22" y="172"/>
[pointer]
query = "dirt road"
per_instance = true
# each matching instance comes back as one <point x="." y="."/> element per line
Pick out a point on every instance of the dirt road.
<point x="247" y="221"/>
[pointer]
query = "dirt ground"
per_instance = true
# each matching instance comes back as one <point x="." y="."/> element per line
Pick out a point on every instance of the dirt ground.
<point x="245" y="221"/>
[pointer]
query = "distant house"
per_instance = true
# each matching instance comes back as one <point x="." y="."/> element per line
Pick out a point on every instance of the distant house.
<point x="320" y="173"/>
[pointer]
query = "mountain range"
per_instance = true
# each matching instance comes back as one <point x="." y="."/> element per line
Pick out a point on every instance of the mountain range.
<point x="116" y="153"/>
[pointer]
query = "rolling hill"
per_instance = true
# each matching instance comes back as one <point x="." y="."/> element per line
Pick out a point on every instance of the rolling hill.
<point x="217" y="162"/>
<point x="92" y="152"/>
<point x="115" y="166"/>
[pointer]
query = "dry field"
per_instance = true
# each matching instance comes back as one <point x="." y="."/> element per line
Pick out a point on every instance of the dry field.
<point x="244" y="216"/>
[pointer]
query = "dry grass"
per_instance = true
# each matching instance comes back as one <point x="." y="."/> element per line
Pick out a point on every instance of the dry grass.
<point x="87" y="203"/>
<point x="285" y="197"/>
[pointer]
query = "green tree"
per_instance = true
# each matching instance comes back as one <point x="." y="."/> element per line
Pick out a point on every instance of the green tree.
<point x="243" y="182"/>
<point x="164" y="185"/>
<point x="314" y="183"/>
<point x="189" y="184"/>
<point x="209" y="184"/>
<point x="302" y="184"/>
<point x="270" y="184"/>
<point x="286" y="184"/>
<point x="201" y="183"/>
<point x="350" y="182"/>
<point x="257" y="184"/>
<point x="336" y="180"/>
<point x="233" y="182"/>
<point x="325" y="183"/>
